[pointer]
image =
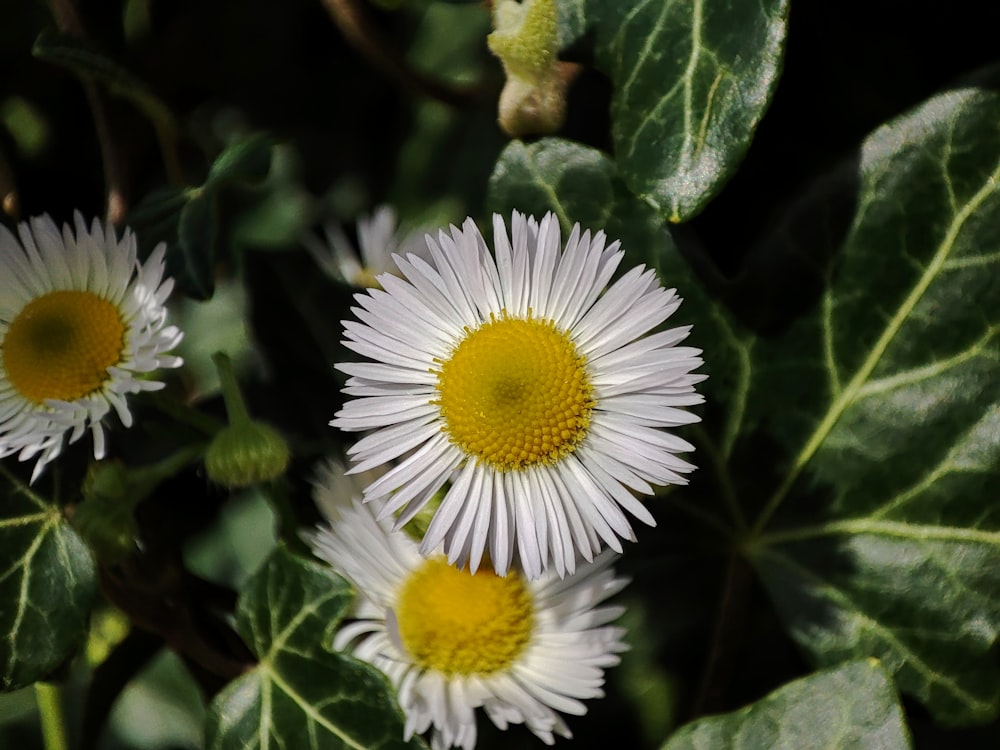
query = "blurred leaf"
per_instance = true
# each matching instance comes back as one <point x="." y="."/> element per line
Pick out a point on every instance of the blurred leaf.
<point x="691" y="82"/>
<point x="48" y="581"/>
<point x="82" y="58"/>
<point x="888" y="439"/>
<point x="301" y="695"/>
<point x="185" y="219"/>
<point x="849" y="707"/>
<point x="246" y="160"/>
<point x="579" y="184"/>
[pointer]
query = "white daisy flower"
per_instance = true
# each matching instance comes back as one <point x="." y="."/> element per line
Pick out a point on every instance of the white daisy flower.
<point x="451" y="641"/>
<point x="379" y="239"/>
<point x="527" y="385"/>
<point x="81" y="323"/>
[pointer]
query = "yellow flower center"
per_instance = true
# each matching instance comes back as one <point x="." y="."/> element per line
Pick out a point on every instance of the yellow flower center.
<point x="515" y="393"/>
<point x="456" y="622"/>
<point x="61" y="345"/>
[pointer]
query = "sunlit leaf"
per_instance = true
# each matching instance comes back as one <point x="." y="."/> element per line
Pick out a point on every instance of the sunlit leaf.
<point x="691" y="82"/>
<point x="48" y="581"/>
<point x="882" y="536"/>
<point x="856" y="447"/>
<point x="301" y="694"/>
<point x="851" y="707"/>
<point x="579" y="184"/>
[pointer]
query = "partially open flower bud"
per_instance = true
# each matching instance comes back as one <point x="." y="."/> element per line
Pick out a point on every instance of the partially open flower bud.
<point x="526" y="40"/>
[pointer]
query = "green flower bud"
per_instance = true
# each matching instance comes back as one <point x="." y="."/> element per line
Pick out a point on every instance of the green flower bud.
<point x="526" y="40"/>
<point x="246" y="453"/>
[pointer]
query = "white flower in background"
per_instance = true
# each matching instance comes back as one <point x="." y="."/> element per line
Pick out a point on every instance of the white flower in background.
<point x="82" y="321"/>
<point x="452" y="641"/>
<point x="379" y="239"/>
<point x="525" y="384"/>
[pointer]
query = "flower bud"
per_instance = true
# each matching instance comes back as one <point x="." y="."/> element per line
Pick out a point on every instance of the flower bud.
<point x="246" y="453"/>
<point x="526" y="40"/>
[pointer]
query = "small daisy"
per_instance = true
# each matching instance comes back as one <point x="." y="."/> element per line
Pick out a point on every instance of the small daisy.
<point x="379" y="239"/>
<point x="452" y="641"/>
<point x="81" y="323"/>
<point x="526" y="385"/>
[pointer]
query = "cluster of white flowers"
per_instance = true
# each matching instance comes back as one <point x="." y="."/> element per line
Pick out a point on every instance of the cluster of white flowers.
<point x="523" y="397"/>
<point x="519" y="398"/>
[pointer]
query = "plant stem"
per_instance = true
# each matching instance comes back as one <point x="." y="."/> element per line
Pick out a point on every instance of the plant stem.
<point x="115" y="167"/>
<point x="50" y="711"/>
<point x="235" y="406"/>
<point x="729" y="628"/>
<point x="358" y="29"/>
<point x="184" y="413"/>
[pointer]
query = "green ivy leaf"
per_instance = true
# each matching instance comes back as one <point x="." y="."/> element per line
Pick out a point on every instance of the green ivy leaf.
<point x="872" y="421"/>
<point x="48" y="582"/>
<point x="850" y="707"/>
<point x="691" y="82"/>
<point x="881" y="535"/>
<point x="301" y="694"/>
<point x="579" y="184"/>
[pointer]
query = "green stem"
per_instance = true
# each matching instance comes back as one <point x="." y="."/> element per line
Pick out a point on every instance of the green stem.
<point x="50" y="711"/>
<point x="235" y="406"/>
<point x="184" y="413"/>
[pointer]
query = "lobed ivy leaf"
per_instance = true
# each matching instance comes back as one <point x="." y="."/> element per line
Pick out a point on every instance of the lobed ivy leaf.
<point x="301" y="694"/>
<point x="578" y="184"/>
<point x="48" y="581"/>
<point x="850" y="707"/>
<point x="882" y="535"/>
<point x="692" y="79"/>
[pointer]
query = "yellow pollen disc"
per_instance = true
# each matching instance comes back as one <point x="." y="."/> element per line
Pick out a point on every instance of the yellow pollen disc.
<point x="456" y="622"/>
<point x="515" y="393"/>
<point x="61" y="345"/>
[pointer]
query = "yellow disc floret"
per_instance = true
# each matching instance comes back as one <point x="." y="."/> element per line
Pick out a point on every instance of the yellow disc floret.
<point x="61" y="345"/>
<point x="457" y="622"/>
<point x="515" y="393"/>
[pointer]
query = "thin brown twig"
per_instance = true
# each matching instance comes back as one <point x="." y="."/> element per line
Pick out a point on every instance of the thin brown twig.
<point x="115" y="172"/>
<point x="357" y="27"/>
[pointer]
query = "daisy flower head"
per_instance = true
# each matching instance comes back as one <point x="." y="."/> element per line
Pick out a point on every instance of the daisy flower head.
<point x="379" y="238"/>
<point x="82" y="321"/>
<point x="526" y="383"/>
<point x="452" y="641"/>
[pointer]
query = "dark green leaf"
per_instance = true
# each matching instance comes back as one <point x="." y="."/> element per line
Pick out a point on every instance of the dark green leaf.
<point x="881" y="534"/>
<point x="246" y="160"/>
<point x="301" y="695"/>
<point x="692" y="81"/>
<point x="185" y="219"/>
<point x="48" y="581"/>
<point x="579" y="184"/>
<point x="851" y="707"/>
